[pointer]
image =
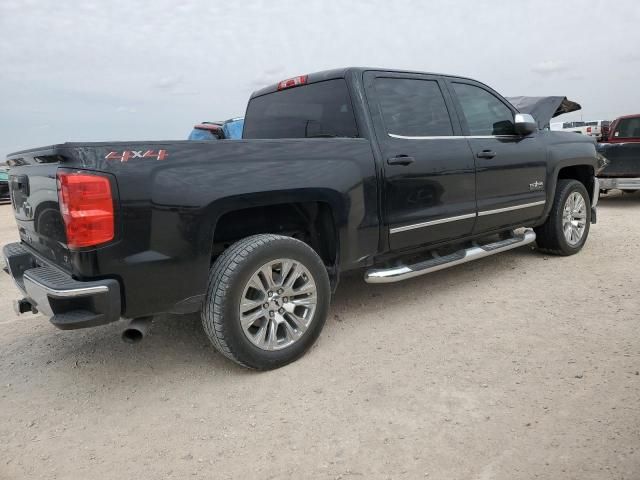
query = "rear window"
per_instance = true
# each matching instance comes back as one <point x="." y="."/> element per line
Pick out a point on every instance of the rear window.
<point x="628" y="128"/>
<point x="320" y="109"/>
<point x="4" y="175"/>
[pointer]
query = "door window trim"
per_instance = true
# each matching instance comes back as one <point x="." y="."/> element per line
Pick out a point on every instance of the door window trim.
<point x="448" y="137"/>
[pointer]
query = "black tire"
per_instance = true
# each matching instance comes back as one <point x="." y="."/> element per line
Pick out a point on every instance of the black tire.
<point x="227" y="279"/>
<point x="549" y="236"/>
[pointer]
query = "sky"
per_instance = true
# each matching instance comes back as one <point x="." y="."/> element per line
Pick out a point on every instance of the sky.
<point x="127" y="70"/>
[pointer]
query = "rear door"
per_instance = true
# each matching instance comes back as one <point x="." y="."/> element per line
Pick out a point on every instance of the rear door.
<point x="429" y="171"/>
<point x="510" y="169"/>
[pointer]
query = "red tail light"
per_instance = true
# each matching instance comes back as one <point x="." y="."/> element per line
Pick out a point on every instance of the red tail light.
<point x="293" y="82"/>
<point x="588" y="129"/>
<point x="86" y="205"/>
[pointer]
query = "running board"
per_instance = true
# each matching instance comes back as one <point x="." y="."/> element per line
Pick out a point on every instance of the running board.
<point x="398" y="273"/>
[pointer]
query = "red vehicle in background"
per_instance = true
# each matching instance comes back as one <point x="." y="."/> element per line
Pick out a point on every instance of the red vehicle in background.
<point x="622" y="152"/>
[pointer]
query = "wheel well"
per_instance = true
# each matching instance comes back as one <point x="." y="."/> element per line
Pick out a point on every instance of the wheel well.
<point x="310" y="222"/>
<point x="583" y="173"/>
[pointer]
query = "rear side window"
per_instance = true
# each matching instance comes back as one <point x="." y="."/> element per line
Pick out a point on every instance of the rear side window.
<point x="413" y="108"/>
<point x="320" y="109"/>
<point x="628" y="128"/>
<point x="484" y="112"/>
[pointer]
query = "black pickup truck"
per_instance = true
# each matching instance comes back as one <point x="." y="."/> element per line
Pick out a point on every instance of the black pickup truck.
<point x="395" y="173"/>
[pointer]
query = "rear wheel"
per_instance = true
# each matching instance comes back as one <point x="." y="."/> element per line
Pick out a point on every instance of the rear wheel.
<point x="567" y="228"/>
<point x="267" y="301"/>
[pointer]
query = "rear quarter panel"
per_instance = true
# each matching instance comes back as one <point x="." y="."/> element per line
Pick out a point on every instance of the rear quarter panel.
<point x="169" y="208"/>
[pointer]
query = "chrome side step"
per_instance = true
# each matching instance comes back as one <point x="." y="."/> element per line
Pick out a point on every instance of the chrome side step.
<point x="403" y="272"/>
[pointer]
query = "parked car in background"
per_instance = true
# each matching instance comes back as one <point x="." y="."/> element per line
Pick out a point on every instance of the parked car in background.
<point x="576" y="127"/>
<point x="591" y="128"/>
<point x="4" y="185"/>
<point x="229" y="129"/>
<point x="622" y="152"/>
<point x="207" y="131"/>
<point x="598" y="129"/>
<point x="393" y="173"/>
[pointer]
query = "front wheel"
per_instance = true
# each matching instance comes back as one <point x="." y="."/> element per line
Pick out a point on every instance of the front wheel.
<point x="567" y="228"/>
<point x="267" y="301"/>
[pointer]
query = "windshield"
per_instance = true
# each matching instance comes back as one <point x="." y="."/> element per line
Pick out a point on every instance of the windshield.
<point x="320" y="109"/>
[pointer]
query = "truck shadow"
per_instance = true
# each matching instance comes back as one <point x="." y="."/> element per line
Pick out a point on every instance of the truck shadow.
<point x="177" y="345"/>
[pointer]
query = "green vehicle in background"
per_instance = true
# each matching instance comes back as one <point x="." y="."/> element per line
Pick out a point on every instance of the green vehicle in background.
<point x="4" y="185"/>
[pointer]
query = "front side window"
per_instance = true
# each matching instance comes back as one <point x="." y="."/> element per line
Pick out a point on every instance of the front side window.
<point x="484" y="112"/>
<point x="413" y="108"/>
<point x="628" y="128"/>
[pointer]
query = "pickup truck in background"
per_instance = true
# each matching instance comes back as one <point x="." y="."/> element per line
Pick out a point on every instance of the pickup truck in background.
<point x="592" y="128"/>
<point x="622" y="154"/>
<point x="394" y="173"/>
<point x="598" y="129"/>
<point x="575" y="127"/>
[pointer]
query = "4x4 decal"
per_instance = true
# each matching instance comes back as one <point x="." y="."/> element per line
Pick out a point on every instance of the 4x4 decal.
<point x="127" y="155"/>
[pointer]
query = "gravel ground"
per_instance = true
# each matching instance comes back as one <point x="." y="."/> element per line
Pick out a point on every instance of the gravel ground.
<point x="517" y="366"/>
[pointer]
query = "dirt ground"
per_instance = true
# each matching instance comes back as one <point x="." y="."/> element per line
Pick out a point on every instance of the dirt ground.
<point x="518" y="366"/>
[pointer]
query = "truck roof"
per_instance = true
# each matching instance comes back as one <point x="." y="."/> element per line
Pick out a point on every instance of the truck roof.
<point x="343" y="72"/>
<point x="635" y="115"/>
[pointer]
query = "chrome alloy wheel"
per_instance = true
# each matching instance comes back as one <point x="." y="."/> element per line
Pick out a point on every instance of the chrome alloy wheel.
<point x="574" y="218"/>
<point x="278" y="304"/>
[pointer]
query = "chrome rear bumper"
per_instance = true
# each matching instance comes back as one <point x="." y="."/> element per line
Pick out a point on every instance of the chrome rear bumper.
<point x="69" y="303"/>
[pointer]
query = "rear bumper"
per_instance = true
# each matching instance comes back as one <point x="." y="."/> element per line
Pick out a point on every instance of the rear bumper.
<point x="619" y="183"/>
<point x="68" y="303"/>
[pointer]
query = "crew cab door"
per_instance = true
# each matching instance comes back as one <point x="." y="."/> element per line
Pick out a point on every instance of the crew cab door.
<point x="510" y="169"/>
<point x="429" y="171"/>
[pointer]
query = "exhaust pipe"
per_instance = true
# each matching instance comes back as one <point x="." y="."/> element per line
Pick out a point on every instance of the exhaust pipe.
<point x="136" y="330"/>
<point x="23" y="306"/>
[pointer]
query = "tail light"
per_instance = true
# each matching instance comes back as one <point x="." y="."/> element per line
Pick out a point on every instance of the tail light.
<point x="589" y="130"/>
<point x="293" y="82"/>
<point x="86" y="204"/>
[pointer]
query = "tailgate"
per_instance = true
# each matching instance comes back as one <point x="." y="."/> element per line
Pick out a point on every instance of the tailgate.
<point x="34" y="198"/>
<point x="624" y="159"/>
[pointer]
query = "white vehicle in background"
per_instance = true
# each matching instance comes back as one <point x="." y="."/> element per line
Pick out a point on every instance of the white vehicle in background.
<point x="577" y="127"/>
<point x="598" y="129"/>
<point x="592" y="128"/>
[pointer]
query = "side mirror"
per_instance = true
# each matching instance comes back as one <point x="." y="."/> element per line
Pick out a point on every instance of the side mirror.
<point x="525" y="124"/>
